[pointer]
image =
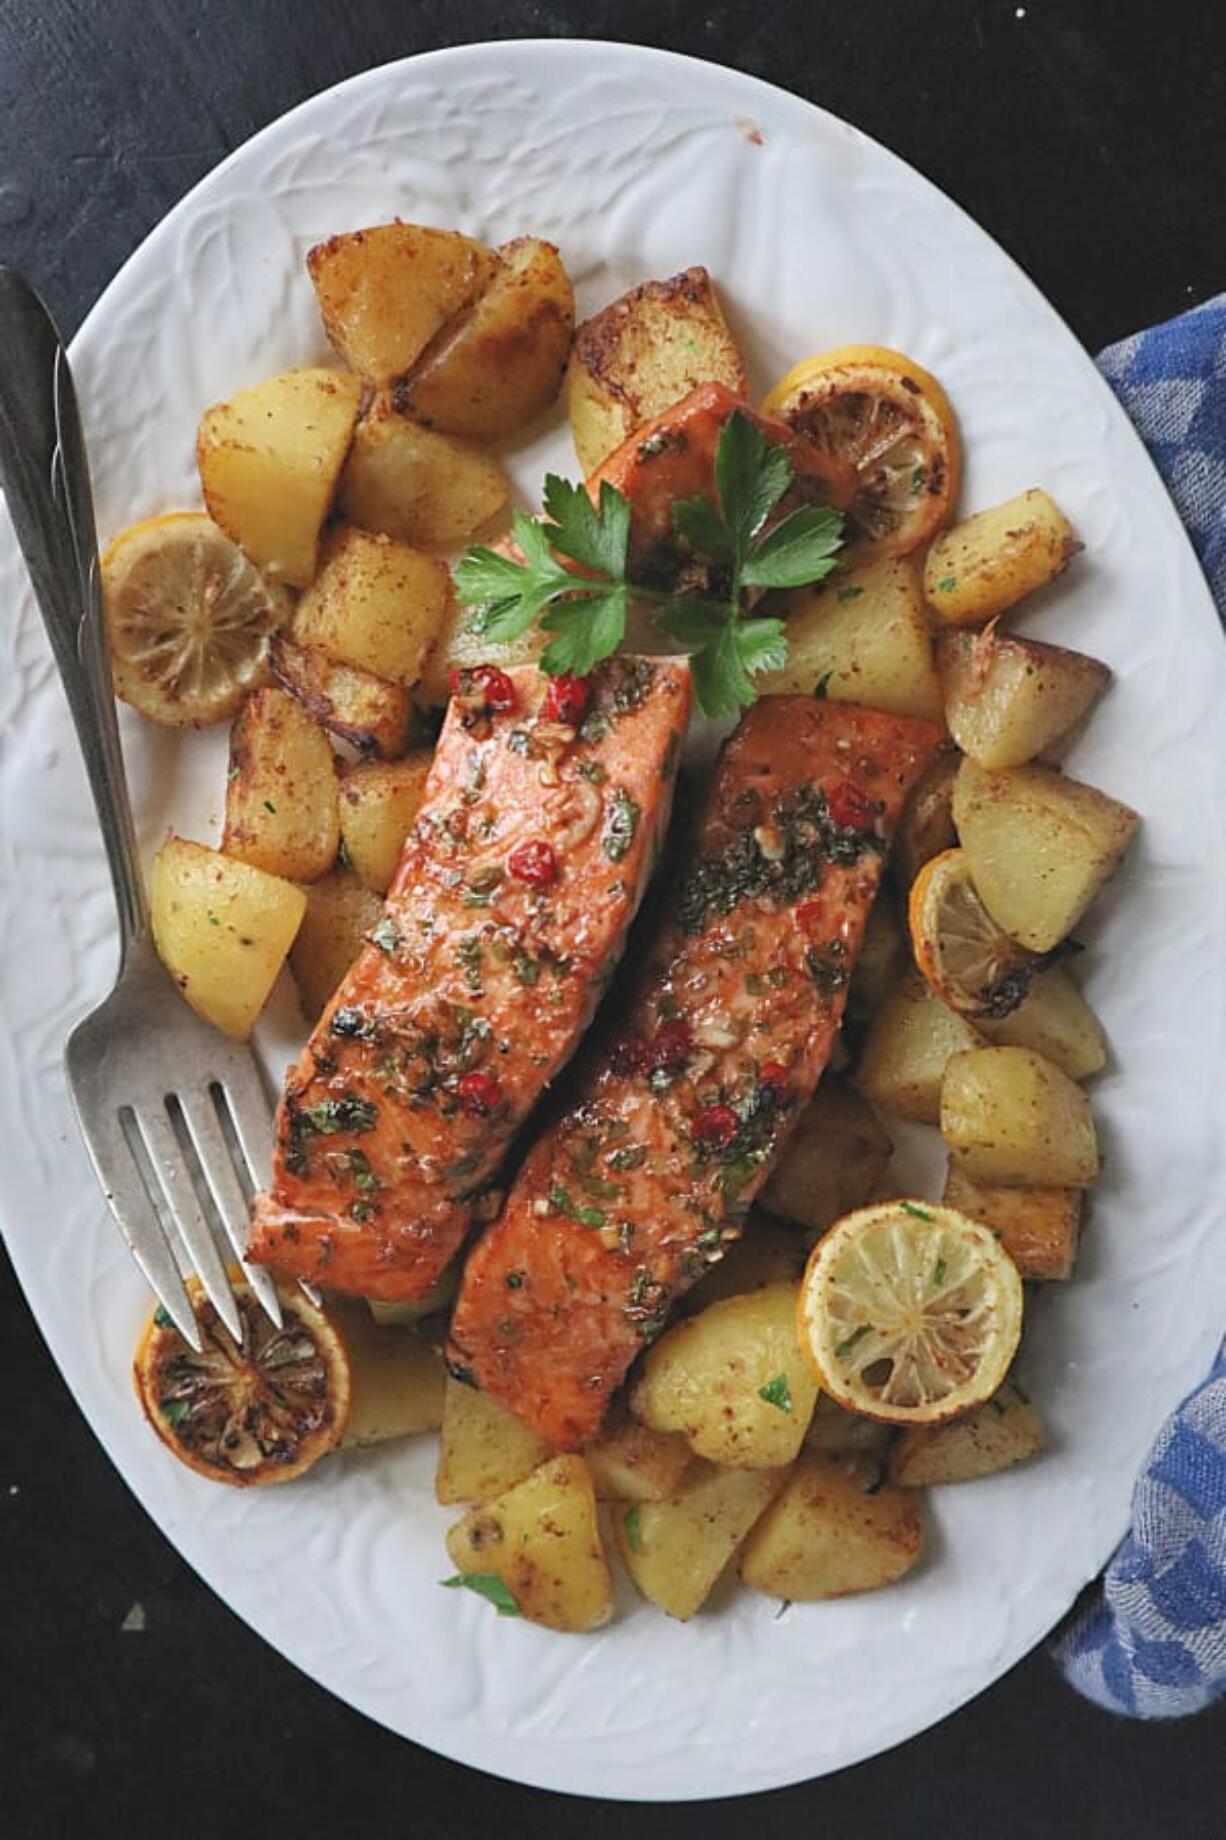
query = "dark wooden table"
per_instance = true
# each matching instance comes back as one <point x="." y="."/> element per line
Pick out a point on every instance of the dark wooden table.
<point x="1086" y="136"/>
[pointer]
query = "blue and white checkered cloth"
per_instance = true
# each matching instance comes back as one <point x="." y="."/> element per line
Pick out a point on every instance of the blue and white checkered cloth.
<point x="1152" y="1642"/>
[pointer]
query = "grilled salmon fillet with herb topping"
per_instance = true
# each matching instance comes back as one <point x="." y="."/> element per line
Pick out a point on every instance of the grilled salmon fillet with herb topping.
<point x="677" y="1120"/>
<point x="541" y="822"/>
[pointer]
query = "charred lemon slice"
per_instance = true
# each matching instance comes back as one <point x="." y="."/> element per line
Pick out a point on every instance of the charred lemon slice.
<point x="909" y="1312"/>
<point x="970" y="963"/>
<point x="264" y="1411"/>
<point x="189" y="620"/>
<point x="890" y="420"/>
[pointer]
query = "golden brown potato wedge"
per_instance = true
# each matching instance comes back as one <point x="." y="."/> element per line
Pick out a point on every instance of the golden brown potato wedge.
<point x="1038" y="1227"/>
<point x="909" y="1042"/>
<point x="991" y="561"/>
<point x="642" y="353"/>
<point x="375" y="604"/>
<point x="378" y="802"/>
<point x="926" y="827"/>
<point x="832" y="1162"/>
<point x="270" y="460"/>
<point x="732" y="1381"/>
<point x="1011" y="1117"/>
<point x="676" y="1550"/>
<point x="339" y="914"/>
<point x="281" y="810"/>
<point x="1040" y="846"/>
<point x="1007" y="699"/>
<point x="503" y="362"/>
<point x="1005" y="1430"/>
<point x="484" y="1449"/>
<point x="385" y="292"/>
<point x="865" y="637"/>
<point x="416" y="485"/>
<point x="396" y="1380"/>
<point x="542" y="1540"/>
<point x="835" y="1528"/>
<point x="222" y="929"/>
<point x="766" y="1253"/>
<point x="372" y="715"/>
<point x="1056" y="1021"/>
<point x="631" y="1462"/>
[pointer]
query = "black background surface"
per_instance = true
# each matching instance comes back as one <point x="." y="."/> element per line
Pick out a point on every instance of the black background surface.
<point x="1087" y="137"/>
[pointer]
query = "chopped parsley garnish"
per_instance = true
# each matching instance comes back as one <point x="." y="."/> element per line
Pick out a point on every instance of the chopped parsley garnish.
<point x="621" y="822"/>
<point x="633" y="1523"/>
<point x="586" y="613"/>
<point x="947" y="584"/>
<point x="849" y="1341"/>
<point x="486" y="1584"/>
<point x="849" y="593"/>
<point x="563" y="1202"/>
<point x="916" y="1213"/>
<point x="174" y="1411"/>
<point x="162" y="1319"/>
<point x="938" y="1273"/>
<point x="777" y="1392"/>
<point x="526" y="968"/>
<point x="515" y="1280"/>
<point x="269" y="806"/>
<point x="632" y="1156"/>
<point x="331" y="1116"/>
<point x="386" y="935"/>
<point x="351" y="1024"/>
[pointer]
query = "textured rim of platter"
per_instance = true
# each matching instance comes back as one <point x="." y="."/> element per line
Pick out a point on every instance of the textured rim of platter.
<point x="640" y="162"/>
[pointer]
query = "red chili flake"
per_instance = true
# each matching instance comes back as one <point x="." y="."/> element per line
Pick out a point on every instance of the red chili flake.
<point x="671" y="1044"/>
<point x="485" y="686"/>
<point x="534" y="862"/>
<point x="809" y="917"/>
<point x="630" y="1055"/>
<point x="714" y="1126"/>
<point x="775" y="1076"/>
<point x="849" y="807"/>
<point x="478" y="1093"/>
<point x="567" y="698"/>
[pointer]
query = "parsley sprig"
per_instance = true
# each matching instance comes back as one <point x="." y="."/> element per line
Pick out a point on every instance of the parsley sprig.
<point x="586" y="612"/>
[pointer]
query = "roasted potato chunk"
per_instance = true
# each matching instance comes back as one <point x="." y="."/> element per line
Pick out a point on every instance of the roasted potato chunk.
<point x="835" y="1528"/>
<point x="909" y="1042"/>
<point x="974" y="570"/>
<point x="503" y="363"/>
<point x="1038" y="1227"/>
<point x="1056" y="1021"/>
<point x="631" y="1462"/>
<point x="732" y="1381"/>
<point x="396" y="1380"/>
<point x="676" y="1550"/>
<point x="270" y="460"/>
<point x="416" y="485"/>
<point x="1009" y="1116"/>
<point x="1007" y="699"/>
<point x="375" y="604"/>
<point x="484" y="1449"/>
<point x="378" y="803"/>
<point x="339" y="914"/>
<point x="542" y="1540"/>
<point x="641" y="354"/>
<point x="766" y="1253"/>
<point x="1005" y="1430"/>
<point x="926" y="827"/>
<point x="281" y="811"/>
<point x="865" y="637"/>
<point x="833" y="1160"/>
<point x="1040" y="847"/>
<point x="385" y="292"/>
<point x="366" y="711"/>
<point x="458" y="649"/>
<point x="222" y="929"/>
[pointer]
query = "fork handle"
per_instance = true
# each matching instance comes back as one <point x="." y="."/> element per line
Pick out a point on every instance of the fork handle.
<point x="45" y="476"/>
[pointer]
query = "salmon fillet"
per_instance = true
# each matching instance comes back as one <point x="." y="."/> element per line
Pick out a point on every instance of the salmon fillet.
<point x="528" y="858"/>
<point x="637" y="1189"/>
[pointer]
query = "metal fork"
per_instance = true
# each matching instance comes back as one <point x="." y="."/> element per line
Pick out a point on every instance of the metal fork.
<point x="176" y="1118"/>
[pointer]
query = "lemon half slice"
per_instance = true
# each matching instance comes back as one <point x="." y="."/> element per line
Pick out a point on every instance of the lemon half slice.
<point x="969" y="961"/>
<point x="889" y="419"/>
<point x="189" y="620"/>
<point x="909" y="1312"/>
<point x="264" y="1411"/>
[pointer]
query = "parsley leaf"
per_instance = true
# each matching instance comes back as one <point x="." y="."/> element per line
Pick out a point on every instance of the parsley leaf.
<point x="777" y="1392"/>
<point x="916" y="1213"/>
<point x="587" y="630"/>
<point x="633" y="1526"/>
<point x="596" y="537"/>
<point x="800" y="549"/>
<point x="486" y="1584"/>
<point x="750" y="478"/>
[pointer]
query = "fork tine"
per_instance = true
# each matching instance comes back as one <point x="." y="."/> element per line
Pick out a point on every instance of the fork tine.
<point x="123" y="1184"/>
<point x="170" y="1168"/>
<point x="222" y="1178"/>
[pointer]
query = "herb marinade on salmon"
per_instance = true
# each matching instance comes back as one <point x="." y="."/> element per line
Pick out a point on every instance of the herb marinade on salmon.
<point x="541" y="822"/>
<point x="625" y="1202"/>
